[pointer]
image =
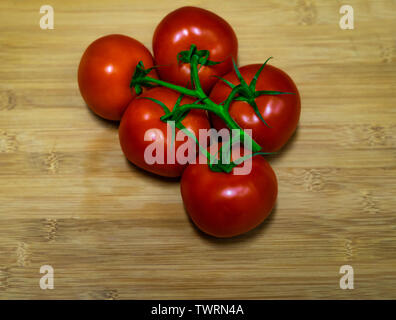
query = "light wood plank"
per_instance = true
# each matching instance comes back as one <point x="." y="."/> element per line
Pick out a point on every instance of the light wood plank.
<point x="69" y="198"/>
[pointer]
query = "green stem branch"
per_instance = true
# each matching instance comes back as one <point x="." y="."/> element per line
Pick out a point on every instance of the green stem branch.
<point x="172" y="86"/>
<point x="206" y="103"/>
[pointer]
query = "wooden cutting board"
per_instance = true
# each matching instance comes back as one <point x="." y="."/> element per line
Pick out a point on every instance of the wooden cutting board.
<point x="69" y="199"/>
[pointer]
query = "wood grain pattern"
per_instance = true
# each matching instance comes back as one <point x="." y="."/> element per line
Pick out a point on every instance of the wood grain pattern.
<point x="68" y="198"/>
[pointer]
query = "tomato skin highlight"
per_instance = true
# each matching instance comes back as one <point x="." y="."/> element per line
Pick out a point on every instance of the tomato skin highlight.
<point x="226" y="205"/>
<point x="142" y="115"/>
<point x="281" y="112"/>
<point x="106" y="70"/>
<point x="190" y="25"/>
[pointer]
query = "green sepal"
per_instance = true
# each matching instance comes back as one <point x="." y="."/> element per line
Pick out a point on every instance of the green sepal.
<point x="252" y="84"/>
<point x="222" y="166"/>
<point x="242" y="81"/>
<point x="182" y="116"/>
<point x="203" y="56"/>
<point x="164" y="107"/>
<point x="231" y="85"/>
<point x="256" y="110"/>
<point x="235" y="90"/>
<point x="249" y="93"/>
<point x="168" y="113"/>
<point x="138" y="78"/>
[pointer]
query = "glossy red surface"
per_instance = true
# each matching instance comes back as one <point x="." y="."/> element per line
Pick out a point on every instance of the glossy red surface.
<point x="106" y="70"/>
<point x="190" y="25"/>
<point x="225" y="204"/>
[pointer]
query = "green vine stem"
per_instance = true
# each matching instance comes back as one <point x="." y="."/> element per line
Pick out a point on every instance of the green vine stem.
<point x="207" y="104"/>
<point x="243" y="92"/>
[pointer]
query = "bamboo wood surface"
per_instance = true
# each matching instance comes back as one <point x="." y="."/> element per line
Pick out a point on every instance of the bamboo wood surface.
<point x="69" y="199"/>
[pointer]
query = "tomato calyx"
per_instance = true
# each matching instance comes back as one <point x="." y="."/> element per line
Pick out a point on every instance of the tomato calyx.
<point x="173" y="124"/>
<point x="203" y="56"/>
<point x="141" y="79"/>
<point x="168" y="119"/>
<point x="247" y="92"/>
<point x="225" y="164"/>
<point x="138" y="77"/>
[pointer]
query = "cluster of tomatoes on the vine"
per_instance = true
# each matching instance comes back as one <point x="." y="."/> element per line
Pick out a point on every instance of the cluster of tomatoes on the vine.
<point x="195" y="72"/>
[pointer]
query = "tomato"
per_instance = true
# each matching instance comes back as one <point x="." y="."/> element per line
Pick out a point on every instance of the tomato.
<point x="106" y="70"/>
<point x="281" y="112"/>
<point x="143" y="115"/>
<point x="190" y="25"/>
<point x="225" y="204"/>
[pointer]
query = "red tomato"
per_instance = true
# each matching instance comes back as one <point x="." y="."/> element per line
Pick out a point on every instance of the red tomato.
<point x="281" y="112"/>
<point x="143" y="115"/>
<point x="106" y="70"/>
<point x="184" y="27"/>
<point x="225" y="204"/>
